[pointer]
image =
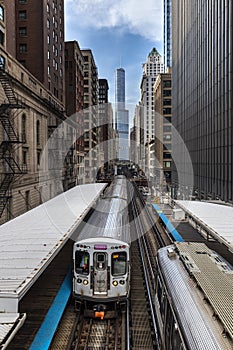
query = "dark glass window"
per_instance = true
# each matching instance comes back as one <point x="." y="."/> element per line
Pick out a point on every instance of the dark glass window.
<point x="2" y="38"/>
<point x="119" y="263"/>
<point x="24" y="128"/>
<point x="38" y="133"/>
<point x="22" y="48"/>
<point x="82" y="262"/>
<point x="22" y="14"/>
<point x="22" y="31"/>
<point x="1" y="13"/>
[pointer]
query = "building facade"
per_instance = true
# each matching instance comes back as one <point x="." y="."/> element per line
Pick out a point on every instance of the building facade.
<point x="90" y="115"/>
<point x="202" y="33"/>
<point x="36" y="160"/>
<point x="32" y="160"/>
<point x="151" y="69"/>
<point x="74" y="82"/>
<point x="163" y="131"/>
<point x="40" y="42"/>
<point x="7" y="20"/>
<point x="107" y="139"/>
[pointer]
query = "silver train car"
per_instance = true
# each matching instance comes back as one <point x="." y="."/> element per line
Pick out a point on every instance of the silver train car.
<point x="101" y="278"/>
<point x="194" y="298"/>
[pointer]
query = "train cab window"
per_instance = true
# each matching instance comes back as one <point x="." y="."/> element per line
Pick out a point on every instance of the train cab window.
<point x="100" y="261"/>
<point x="119" y="263"/>
<point x="82" y="261"/>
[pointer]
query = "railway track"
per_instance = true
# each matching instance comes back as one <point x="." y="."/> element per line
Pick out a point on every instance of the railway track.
<point x="143" y="251"/>
<point x="77" y="332"/>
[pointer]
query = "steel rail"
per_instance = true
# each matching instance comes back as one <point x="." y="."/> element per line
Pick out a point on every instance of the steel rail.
<point x="138" y="226"/>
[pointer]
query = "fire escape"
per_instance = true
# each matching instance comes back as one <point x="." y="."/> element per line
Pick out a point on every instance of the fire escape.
<point x="9" y="164"/>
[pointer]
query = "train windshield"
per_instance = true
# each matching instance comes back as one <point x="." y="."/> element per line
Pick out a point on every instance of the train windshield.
<point x="82" y="260"/>
<point x="119" y="263"/>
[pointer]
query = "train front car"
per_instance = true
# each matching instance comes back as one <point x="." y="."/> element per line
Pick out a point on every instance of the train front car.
<point x="193" y="300"/>
<point x="101" y="280"/>
<point x="101" y="275"/>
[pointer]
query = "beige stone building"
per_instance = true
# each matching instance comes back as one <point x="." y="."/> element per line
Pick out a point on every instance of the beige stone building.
<point x="32" y="169"/>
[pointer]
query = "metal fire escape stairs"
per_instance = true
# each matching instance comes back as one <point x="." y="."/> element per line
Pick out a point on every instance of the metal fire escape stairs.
<point x="9" y="165"/>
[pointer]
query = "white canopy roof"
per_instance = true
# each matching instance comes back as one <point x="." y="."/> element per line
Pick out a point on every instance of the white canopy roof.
<point x="216" y="218"/>
<point x="29" y="242"/>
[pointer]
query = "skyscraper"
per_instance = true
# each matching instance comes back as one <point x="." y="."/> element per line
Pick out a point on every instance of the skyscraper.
<point x="120" y="88"/>
<point x="202" y="90"/>
<point x="151" y="69"/>
<point x="167" y="33"/>
<point x="121" y="115"/>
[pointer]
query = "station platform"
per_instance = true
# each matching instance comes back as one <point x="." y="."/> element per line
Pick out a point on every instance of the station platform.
<point x="210" y="219"/>
<point x="29" y="243"/>
<point x="195" y="221"/>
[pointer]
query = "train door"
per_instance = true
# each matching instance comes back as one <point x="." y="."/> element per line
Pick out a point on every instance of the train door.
<point x="100" y="273"/>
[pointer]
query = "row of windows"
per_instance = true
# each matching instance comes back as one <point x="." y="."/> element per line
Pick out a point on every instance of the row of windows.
<point x="55" y="22"/>
<point x="118" y="263"/>
<point x="54" y="7"/>
<point x="56" y="38"/>
<point x="55" y="78"/>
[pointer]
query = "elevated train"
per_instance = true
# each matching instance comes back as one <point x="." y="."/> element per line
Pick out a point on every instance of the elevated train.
<point x="194" y="298"/>
<point x="101" y="279"/>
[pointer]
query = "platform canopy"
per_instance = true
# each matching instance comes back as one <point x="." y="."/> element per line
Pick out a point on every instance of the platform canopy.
<point x="29" y="242"/>
<point x="217" y="219"/>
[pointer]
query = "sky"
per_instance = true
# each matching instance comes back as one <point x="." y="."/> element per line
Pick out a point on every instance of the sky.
<point x="120" y="33"/>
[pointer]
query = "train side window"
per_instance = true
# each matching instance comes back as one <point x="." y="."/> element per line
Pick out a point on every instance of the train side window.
<point x="168" y="327"/>
<point x="82" y="261"/>
<point x="175" y="338"/>
<point x="119" y="263"/>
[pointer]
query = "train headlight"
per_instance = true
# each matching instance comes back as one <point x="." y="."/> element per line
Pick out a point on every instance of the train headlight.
<point x="79" y="280"/>
<point x="122" y="282"/>
<point x="115" y="283"/>
<point x="85" y="282"/>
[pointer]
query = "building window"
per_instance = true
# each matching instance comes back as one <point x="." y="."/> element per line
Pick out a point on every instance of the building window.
<point x="22" y="48"/>
<point x="24" y="157"/>
<point x="48" y="23"/>
<point x="22" y="14"/>
<point x="38" y="133"/>
<point x="22" y="31"/>
<point x="24" y="139"/>
<point x="38" y="158"/>
<point x="22" y="1"/>
<point x="167" y="164"/>
<point x="2" y="38"/>
<point x="48" y="8"/>
<point x="1" y="13"/>
<point x="27" y="200"/>
<point x="48" y="39"/>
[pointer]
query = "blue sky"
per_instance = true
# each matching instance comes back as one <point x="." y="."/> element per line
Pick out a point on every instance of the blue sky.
<point x="119" y="32"/>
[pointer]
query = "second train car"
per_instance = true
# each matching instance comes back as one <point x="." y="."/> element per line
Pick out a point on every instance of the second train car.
<point x="193" y="299"/>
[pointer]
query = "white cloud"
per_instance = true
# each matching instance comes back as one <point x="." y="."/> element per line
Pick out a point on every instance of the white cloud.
<point x="144" y="17"/>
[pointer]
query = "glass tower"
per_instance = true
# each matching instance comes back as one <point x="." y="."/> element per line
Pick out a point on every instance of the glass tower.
<point x="121" y="115"/>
